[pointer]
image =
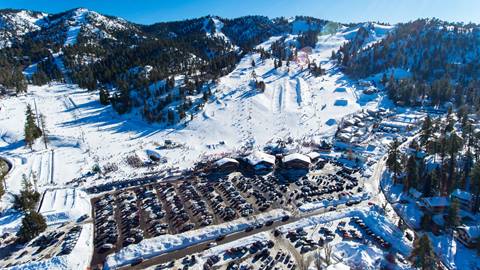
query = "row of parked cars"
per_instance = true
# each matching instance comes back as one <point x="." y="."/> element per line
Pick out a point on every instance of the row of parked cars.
<point x="70" y="240"/>
<point x="220" y="207"/>
<point x="300" y="240"/>
<point x="265" y="190"/>
<point x="130" y="218"/>
<point x="153" y="211"/>
<point x="198" y="206"/>
<point x="234" y="197"/>
<point x="176" y="212"/>
<point x="346" y="233"/>
<point x="106" y="232"/>
<point x="376" y="238"/>
<point x="327" y="187"/>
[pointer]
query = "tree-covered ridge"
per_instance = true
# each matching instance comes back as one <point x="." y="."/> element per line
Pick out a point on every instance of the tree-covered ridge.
<point x="428" y="48"/>
<point x="442" y="58"/>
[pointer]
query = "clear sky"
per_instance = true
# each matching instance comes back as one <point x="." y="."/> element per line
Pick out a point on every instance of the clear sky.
<point x="150" y="11"/>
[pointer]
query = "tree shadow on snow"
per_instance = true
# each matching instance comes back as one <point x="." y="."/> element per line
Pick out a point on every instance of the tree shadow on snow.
<point x="104" y="118"/>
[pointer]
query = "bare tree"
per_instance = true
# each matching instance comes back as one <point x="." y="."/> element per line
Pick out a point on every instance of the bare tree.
<point x="303" y="262"/>
<point x="317" y="257"/>
<point x="328" y="254"/>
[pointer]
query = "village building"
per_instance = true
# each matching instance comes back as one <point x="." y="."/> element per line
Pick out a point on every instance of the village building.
<point x="468" y="235"/>
<point x="296" y="161"/>
<point x="415" y="193"/>
<point x="464" y="198"/>
<point x="314" y="156"/>
<point x="436" y="204"/>
<point x="226" y="165"/>
<point x="261" y="161"/>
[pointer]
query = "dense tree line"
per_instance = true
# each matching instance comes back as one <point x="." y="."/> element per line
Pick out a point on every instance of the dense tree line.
<point x="443" y="59"/>
<point x="47" y="71"/>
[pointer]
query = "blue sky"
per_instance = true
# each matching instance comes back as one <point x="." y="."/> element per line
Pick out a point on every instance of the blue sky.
<point x="150" y="11"/>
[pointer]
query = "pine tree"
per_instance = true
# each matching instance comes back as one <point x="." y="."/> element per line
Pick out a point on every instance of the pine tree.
<point x="104" y="96"/>
<point x="20" y="82"/>
<point x="412" y="173"/>
<point x="31" y="130"/>
<point x="452" y="219"/>
<point x="32" y="225"/>
<point x="422" y="254"/>
<point x="2" y="187"/>
<point x="426" y="131"/>
<point x="171" y="116"/>
<point x="454" y="145"/>
<point x="393" y="160"/>
<point x="475" y="184"/>
<point x="384" y="79"/>
<point x="28" y="198"/>
<point x="426" y="222"/>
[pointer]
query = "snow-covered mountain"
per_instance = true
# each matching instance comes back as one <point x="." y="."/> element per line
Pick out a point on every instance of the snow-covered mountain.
<point x="95" y="50"/>
<point x="14" y="24"/>
<point x="66" y="27"/>
<point x="83" y="25"/>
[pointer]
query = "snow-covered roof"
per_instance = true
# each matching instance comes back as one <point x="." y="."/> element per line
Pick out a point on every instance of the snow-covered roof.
<point x="415" y="193"/>
<point x="225" y="160"/>
<point x="394" y="124"/>
<point x="153" y="153"/>
<point x="296" y="156"/>
<point x="436" y="201"/>
<point x="472" y="231"/>
<point x="462" y="194"/>
<point x="313" y="155"/>
<point x="257" y="157"/>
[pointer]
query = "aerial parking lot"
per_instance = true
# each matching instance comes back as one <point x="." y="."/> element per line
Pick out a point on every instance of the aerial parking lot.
<point x="126" y="217"/>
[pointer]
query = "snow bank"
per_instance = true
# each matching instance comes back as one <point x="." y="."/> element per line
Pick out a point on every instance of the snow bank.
<point x="10" y="222"/>
<point x="55" y="263"/>
<point x="367" y="257"/>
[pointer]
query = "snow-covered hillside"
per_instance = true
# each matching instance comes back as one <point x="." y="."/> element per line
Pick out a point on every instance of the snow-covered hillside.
<point x="294" y="105"/>
<point x="16" y="23"/>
